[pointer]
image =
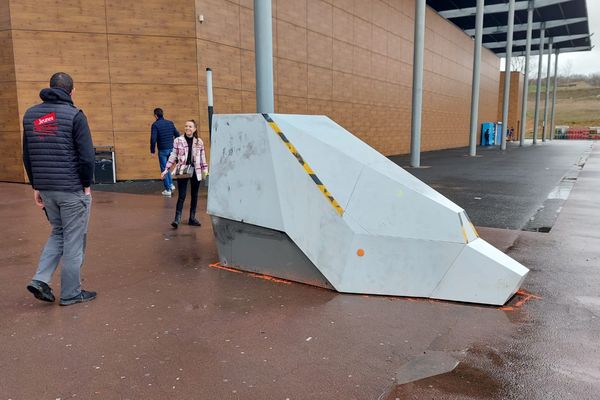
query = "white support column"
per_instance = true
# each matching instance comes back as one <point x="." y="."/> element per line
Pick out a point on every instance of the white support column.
<point x="523" y="129"/>
<point x="536" y="115"/>
<point x="554" y="93"/>
<point x="209" y="96"/>
<point x="417" y="91"/>
<point x="547" y="101"/>
<point x="263" y="46"/>
<point x="509" y="44"/>
<point x="476" y="79"/>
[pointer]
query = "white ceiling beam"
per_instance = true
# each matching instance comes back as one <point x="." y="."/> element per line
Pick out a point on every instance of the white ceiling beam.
<point x="497" y="8"/>
<point x="555" y="39"/>
<point x="560" y="50"/>
<point x="492" y="30"/>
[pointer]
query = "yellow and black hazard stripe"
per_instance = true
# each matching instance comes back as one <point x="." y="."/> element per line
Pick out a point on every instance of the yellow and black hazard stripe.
<point x="306" y="167"/>
<point x="462" y="227"/>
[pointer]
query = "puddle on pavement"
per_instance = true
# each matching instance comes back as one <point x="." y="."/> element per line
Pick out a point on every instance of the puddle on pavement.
<point x="546" y="215"/>
<point x="426" y="365"/>
<point x="463" y="380"/>
<point x="440" y="375"/>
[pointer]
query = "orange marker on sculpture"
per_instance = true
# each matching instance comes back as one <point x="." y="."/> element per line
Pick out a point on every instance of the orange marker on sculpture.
<point x="360" y="252"/>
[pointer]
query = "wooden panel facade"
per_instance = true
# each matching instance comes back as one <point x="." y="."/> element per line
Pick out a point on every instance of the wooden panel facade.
<point x="39" y="54"/>
<point x="151" y="17"/>
<point x="152" y="59"/>
<point x="11" y="165"/>
<point x="4" y="16"/>
<point x="9" y="112"/>
<point x="59" y="15"/>
<point x="7" y="61"/>
<point x="348" y="59"/>
<point x="514" y="100"/>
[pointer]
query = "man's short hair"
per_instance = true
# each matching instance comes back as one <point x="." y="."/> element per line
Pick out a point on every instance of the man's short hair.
<point x="62" y="80"/>
<point x="158" y="112"/>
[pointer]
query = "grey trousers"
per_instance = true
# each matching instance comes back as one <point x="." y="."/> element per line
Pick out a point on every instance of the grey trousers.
<point x="68" y="213"/>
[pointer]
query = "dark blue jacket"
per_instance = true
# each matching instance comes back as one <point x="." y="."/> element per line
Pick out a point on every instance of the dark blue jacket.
<point x="58" y="153"/>
<point x="162" y="134"/>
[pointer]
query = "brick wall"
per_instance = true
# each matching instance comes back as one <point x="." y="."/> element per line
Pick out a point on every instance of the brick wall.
<point x="514" y="101"/>
<point x="348" y="59"/>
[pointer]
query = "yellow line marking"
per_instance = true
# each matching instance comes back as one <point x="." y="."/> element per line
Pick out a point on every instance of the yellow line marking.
<point x="462" y="229"/>
<point x="474" y="230"/>
<point x="464" y="232"/>
<point x="305" y="165"/>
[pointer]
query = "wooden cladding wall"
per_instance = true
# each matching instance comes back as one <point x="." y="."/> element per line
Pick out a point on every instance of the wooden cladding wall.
<point x="514" y="100"/>
<point x="348" y="59"/>
<point x="11" y="165"/>
<point x="4" y="15"/>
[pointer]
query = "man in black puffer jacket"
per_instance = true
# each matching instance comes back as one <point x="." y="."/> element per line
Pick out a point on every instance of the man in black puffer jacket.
<point x="58" y="155"/>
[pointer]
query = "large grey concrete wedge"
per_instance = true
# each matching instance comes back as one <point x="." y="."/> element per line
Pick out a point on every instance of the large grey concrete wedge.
<point x="365" y="224"/>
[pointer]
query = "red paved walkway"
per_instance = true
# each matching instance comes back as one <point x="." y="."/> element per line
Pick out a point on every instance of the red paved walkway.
<point x="168" y="326"/>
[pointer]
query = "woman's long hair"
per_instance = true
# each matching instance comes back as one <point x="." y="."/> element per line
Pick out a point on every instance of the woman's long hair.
<point x="195" y="127"/>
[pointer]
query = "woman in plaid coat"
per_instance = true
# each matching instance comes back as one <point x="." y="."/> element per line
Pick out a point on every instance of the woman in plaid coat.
<point x="182" y="157"/>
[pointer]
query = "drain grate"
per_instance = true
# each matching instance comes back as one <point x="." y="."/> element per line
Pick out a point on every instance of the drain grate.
<point x="540" y="229"/>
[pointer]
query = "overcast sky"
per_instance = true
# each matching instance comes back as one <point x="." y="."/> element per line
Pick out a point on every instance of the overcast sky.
<point x="585" y="62"/>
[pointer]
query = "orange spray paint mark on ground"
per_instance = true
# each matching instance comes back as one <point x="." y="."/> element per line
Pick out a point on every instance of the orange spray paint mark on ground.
<point x="252" y="274"/>
<point x="219" y="266"/>
<point x="523" y="297"/>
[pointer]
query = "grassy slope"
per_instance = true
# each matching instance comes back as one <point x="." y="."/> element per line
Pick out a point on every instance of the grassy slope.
<point x="576" y="106"/>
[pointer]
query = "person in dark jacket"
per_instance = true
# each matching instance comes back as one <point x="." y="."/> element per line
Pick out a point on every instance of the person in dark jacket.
<point x="162" y="134"/>
<point x="58" y="156"/>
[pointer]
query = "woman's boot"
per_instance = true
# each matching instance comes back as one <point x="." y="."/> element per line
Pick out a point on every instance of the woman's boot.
<point x="193" y="221"/>
<point x="177" y="219"/>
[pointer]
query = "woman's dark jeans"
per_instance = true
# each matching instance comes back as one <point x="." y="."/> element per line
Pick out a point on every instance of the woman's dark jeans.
<point x="182" y="185"/>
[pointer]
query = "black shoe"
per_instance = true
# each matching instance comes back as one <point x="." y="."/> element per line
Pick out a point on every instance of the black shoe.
<point x="41" y="291"/>
<point x="82" y="297"/>
<point x="194" y="222"/>
<point x="177" y="219"/>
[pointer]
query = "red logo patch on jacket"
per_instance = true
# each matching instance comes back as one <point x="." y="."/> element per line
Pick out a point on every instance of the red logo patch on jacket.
<point x="45" y="125"/>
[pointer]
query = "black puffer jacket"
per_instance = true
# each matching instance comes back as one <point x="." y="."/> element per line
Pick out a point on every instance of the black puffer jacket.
<point x="58" y="153"/>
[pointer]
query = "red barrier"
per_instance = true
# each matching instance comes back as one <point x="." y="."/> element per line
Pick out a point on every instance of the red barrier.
<point x="580" y="134"/>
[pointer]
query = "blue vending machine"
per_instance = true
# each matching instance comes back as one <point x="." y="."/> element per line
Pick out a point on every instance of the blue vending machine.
<point x="488" y="133"/>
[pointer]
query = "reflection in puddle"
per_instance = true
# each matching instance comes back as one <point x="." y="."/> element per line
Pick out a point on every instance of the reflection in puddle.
<point x="426" y="365"/>
<point x="463" y="380"/>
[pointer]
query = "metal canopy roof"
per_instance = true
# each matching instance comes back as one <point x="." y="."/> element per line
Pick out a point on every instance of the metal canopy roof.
<point x="566" y="22"/>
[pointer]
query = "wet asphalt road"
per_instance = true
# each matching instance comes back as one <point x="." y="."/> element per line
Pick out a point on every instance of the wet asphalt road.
<point x="168" y="325"/>
<point x="499" y="189"/>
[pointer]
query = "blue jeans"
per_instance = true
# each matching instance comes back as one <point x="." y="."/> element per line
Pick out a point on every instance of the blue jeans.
<point x="163" y="156"/>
